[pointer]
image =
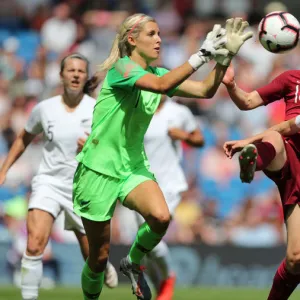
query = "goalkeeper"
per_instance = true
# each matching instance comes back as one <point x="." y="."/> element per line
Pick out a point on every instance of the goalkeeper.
<point x="113" y="164"/>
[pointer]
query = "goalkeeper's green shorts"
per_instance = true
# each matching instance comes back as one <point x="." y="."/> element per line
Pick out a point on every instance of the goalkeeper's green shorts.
<point x="95" y="195"/>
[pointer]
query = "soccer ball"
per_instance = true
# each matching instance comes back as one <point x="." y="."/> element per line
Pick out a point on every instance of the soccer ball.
<point x="279" y="31"/>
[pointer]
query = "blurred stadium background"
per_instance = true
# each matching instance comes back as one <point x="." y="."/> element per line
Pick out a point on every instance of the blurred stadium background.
<point x="225" y="234"/>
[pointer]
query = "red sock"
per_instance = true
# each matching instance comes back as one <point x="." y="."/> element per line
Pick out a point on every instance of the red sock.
<point x="266" y="153"/>
<point x="284" y="283"/>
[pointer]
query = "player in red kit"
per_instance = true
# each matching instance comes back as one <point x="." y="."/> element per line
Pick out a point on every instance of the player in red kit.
<point x="276" y="152"/>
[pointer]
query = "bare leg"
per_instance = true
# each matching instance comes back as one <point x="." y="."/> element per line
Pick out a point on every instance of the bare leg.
<point x="287" y="276"/>
<point x="39" y="226"/>
<point x="148" y="200"/>
<point x="83" y="243"/>
<point x="98" y="235"/>
<point x="111" y="275"/>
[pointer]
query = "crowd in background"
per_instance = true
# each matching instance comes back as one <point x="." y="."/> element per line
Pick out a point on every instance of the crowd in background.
<point x="217" y="209"/>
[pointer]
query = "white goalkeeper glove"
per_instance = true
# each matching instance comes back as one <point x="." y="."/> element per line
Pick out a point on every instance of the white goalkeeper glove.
<point x="210" y="48"/>
<point x="236" y="37"/>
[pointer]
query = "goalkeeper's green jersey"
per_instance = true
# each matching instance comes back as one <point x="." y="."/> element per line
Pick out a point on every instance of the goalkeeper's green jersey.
<point x="121" y="117"/>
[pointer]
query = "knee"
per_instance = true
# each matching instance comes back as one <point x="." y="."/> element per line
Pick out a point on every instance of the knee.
<point x="293" y="261"/>
<point x="276" y="140"/>
<point x="35" y="245"/>
<point x="159" y="221"/>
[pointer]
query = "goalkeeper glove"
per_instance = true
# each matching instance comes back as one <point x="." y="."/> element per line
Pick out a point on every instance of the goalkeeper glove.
<point x="210" y="48"/>
<point x="235" y="39"/>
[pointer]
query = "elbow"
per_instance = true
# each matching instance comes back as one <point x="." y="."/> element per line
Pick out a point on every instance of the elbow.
<point x="196" y="141"/>
<point x="243" y="107"/>
<point x="200" y="144"/>
<point x="210" y="94"/>
<point x="201" y="141"/>
<point x="247" y="105"/>
<point x="197" y="144"/>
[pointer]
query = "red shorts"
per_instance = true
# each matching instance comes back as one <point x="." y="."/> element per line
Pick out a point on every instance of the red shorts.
<point x="288" y="178"/>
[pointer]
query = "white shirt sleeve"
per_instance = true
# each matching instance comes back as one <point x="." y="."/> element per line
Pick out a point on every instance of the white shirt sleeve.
<point x="34" y="123"/>
<point x="188" y="120"/>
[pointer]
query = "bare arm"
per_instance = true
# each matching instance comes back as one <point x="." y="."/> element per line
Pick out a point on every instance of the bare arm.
<point x="244" y="100"/>
<point x="203" y="89"/>
<point x="210" y="48"/>
<point x="18" y="147"/>
<point x="163" y="84"/>
<point x="285" y="128"/>
<point x="207" y="88"/>
<point x="288" y="127"/>
<point x="188" y="88"/>
<point x="194" y="138"/>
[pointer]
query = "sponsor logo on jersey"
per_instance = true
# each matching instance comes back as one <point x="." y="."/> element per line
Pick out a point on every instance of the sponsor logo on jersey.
<point x="84" y="202"/>
<point x="128" y="69"/>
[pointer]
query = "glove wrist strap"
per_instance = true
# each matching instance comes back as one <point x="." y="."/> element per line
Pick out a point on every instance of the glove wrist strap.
<point x="197" y="60"/>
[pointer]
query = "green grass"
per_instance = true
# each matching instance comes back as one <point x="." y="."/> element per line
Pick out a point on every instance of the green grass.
<point x="124" y="293"/>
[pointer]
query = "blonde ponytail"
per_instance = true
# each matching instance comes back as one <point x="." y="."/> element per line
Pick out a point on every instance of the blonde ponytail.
<point x="121" y="47"/>
<point x="113" y="56"/>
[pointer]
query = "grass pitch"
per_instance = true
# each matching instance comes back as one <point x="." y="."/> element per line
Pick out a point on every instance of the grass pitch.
<point x="124" y="293"/>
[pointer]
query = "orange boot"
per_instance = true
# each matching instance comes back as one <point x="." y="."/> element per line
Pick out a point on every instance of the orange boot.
<point x="166" y="289"/>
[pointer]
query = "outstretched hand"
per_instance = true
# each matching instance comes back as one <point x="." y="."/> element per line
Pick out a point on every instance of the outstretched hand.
<point x="231" y="147"/>
<point x="213" y="45"/>
<point x="236" y="37"/>
<point x="214" y="42"/>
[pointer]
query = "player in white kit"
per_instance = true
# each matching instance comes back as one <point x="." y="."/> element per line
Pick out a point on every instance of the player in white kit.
<point x="63" y="120"/>
<point x="171" y="124"/>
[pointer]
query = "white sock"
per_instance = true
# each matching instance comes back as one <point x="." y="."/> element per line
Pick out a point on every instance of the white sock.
<point x="161" y="256"/>
<point x="31" y="277"/>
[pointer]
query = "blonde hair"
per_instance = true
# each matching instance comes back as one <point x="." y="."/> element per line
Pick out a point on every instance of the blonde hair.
<point x="132" y="25"/>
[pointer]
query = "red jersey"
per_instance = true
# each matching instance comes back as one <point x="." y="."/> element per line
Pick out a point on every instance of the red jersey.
<point x="285" y="86"/>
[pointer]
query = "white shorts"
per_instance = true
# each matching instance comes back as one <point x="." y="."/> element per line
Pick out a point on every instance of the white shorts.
<point x="172" y="199"/>
<point x="54" y="201"/>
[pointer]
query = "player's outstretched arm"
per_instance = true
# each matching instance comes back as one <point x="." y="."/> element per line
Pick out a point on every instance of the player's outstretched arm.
<point x="18" y="147"/>
<point x="288" y="127"/>
<point x="235" y="38"/>
<point x="210" y="48"/>
<point x="285" y="128"/>
<point x="242" y="99"/>
<point x="202" y="89"/>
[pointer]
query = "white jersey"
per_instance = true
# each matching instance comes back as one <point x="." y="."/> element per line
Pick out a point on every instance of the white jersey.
<point x="163" y="153"/>
<point x="61" y="131"/>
